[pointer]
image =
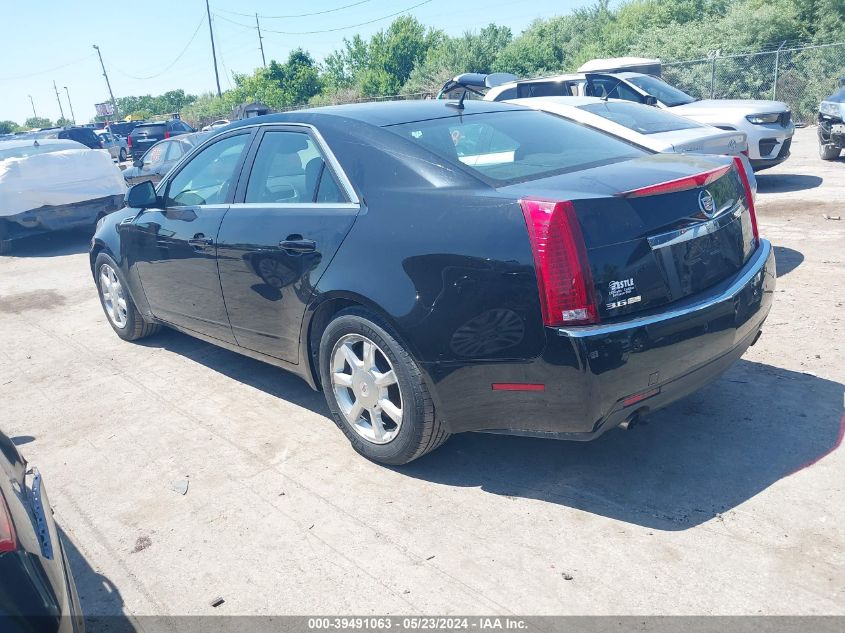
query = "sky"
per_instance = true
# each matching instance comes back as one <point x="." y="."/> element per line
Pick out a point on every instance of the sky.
<point x="154" y="46"/>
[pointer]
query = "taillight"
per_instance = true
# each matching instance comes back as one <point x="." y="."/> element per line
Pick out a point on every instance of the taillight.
<point x="749" y="197"/>
<point x="8" y="538"/>
<point x="167" y="135"/>
<point x="560" y="258"/>
<point x="128" y="141"/>
<point x="680" y="184"/>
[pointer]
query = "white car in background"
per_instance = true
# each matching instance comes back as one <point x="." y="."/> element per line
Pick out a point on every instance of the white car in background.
<point x="52" y="184"/>
<point x="767" y="124"/>
<point x="650" y="127"/>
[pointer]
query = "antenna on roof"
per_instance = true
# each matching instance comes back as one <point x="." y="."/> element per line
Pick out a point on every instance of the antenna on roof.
<point x="460" y="103"/>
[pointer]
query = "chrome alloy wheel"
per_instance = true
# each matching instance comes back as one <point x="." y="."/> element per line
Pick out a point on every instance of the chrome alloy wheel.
<point x="366" y="389"/>
<point x="113" y="297"/>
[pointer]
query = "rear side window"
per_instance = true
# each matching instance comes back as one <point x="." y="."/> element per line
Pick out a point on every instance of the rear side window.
<point x="289" y="169"/>
<point x="640" y="118"/>
<point x="507" y="147"/>
<point x="544" y="89"/>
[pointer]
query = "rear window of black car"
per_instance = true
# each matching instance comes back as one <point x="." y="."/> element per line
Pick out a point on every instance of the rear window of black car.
<point x="508" y="147"/>
<point x="640" y="118"/>
<point x="154" y="129"/>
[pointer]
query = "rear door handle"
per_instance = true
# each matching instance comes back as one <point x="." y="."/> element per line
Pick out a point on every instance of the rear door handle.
<point x="298" y="245"/>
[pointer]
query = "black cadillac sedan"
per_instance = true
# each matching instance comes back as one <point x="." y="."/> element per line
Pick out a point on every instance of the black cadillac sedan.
<point x="37" y="592"/>
<point x="439" y="267"/>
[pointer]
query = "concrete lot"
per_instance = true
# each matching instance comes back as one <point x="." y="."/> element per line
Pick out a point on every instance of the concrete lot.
<point x="729" y="502"/>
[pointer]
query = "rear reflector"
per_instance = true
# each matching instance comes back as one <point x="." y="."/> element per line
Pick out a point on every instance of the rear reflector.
<point x="8" y="539"/>
<point x="518" y="386"/>
<point x="639" y="397"/>
<point x="681" y="184"/>
<point x="560" y="258"/>
<point x="749" y="197"/>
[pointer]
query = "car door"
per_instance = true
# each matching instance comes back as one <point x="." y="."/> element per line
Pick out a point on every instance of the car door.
<point x="173" y="248"/>
<point x="293" y="208"/>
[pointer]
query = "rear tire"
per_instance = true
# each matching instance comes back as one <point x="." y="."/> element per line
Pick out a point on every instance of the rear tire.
<point x="120" y="310"/>
<point x="122" y="155"/>
<point x="362" y="406"/>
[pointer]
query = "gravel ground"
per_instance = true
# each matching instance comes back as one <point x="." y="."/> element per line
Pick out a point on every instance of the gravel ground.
<point x="728" y="502"/>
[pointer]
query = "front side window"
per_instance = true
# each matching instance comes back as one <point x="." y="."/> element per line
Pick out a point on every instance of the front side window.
<point x="666" y="94"/>
<point x="514" y="146"/>
<point x="612" y="88"/>
<point x="155" y="154"/>
<point x="289" y="169"/>
<point x="640" y="118"/>
<point x="208" y="177"/>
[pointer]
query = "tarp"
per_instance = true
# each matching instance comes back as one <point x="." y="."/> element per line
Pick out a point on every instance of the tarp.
<point x="56" y="179"/>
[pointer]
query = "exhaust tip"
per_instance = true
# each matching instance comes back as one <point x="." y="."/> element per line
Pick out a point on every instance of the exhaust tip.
<point x="629" y="422"/>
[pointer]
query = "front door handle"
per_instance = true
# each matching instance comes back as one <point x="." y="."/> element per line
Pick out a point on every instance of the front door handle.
<point x="299" y="245"/>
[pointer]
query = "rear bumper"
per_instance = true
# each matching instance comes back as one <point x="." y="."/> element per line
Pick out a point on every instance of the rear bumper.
<point x="589" y="372"/>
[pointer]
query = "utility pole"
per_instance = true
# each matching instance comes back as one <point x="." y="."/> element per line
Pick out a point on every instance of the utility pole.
<point x="260" y="41"/>
<point x="34" y="113"/>
<point x="111" y="94"/>
<point x="70" y="105"/>
<point x="61" y="111"/>
<point x="213" y="53"/>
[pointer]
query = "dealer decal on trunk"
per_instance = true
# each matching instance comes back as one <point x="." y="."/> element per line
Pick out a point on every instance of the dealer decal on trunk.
<point x="618" y="292"/>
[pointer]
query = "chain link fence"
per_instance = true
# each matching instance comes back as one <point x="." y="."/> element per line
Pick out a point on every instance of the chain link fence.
<point x="800" y="76"/>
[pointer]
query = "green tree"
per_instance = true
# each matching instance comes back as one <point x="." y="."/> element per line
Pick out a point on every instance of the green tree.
<point x="37" y="122"/>
<point x="8" y="127"/>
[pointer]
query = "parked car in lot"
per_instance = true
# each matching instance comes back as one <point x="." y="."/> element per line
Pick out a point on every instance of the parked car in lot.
<point x="84" y="135"/>
<point x="115" y="145"/>
<point x="145" y="135"/>
<point x="216" y="125"/>
<point x="37" y="590"/>
<point x="122" y="128"/>
<point x="767" y="124"/>
<point x="831" y="128"/>
<point x="54" y="184"/>
<point x="160" y="158"/>
<point x="656" y="129"/>
<point x="437" y="268"/>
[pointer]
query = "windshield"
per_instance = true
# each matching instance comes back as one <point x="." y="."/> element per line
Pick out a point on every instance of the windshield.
<point x="640" y="118"/>
<point x="507" y="147"/>
<point x="666" y="94"/>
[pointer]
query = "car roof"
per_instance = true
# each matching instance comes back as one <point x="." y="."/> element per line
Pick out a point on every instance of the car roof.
<point x="60" y="142"/>
<point x="384" y="113"/>
<point x="560" y="100"/>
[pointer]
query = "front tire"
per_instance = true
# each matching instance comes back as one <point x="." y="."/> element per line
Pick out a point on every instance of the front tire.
<point x="375" y="390"/>
<point x="121" y="312"/>
<point x="122" y="155"/>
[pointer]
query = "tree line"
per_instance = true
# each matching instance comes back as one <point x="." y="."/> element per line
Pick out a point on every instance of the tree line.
<point x="409" y="58"/>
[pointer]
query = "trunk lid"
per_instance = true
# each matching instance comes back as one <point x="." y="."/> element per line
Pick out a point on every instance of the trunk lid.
<point x="703" y="140"/>
<point x="651" y="249"/>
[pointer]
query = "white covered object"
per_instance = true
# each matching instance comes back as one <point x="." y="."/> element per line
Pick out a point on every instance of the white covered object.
<point x="57" y="178"/>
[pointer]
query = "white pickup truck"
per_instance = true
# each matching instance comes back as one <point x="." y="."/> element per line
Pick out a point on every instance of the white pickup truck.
<point x="767" y="124"/>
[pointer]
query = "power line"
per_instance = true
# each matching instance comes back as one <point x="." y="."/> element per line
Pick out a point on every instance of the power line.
<point x="295" y="15"/>
<point x="174" y="62"/>
<point x="340" y="28"/>
<point x="48" y="70"/>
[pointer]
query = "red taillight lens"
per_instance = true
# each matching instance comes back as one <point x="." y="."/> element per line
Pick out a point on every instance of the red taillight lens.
<point x="128" y="141"/>
<point x="680" y="184"/>
<point x="8" y="538"/>
<point x="560" y="257"/>
<point x="167" y="135"/>
<point x="749" y="197"/>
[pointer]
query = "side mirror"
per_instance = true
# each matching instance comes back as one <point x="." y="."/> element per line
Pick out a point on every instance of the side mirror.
<point x="650" y="100"/>
<point x="141" y="196"/>
<point x="138" y="162"/>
